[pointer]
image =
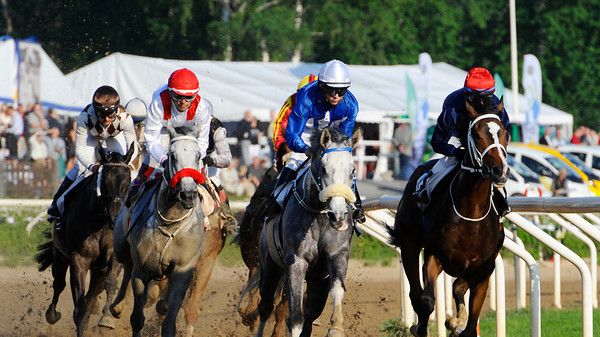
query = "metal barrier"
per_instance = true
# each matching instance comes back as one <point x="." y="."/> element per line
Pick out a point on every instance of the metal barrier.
<point x="581" y="228"/>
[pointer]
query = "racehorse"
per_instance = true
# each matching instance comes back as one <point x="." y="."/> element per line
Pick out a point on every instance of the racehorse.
<point x="310" y="239"/>
<point x="88" y="223"/>
<point x="460" y="230"/>
<point x="166" y="240"/>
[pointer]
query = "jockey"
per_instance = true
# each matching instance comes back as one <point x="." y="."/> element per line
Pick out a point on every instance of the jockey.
<point x="218" y="155"/>
<point x="178" y="103"/>
<point x="281" y="122"/>
<point x="320" y="104"/>
<point x="105" y="121"/>
<point x="451" y="133"/>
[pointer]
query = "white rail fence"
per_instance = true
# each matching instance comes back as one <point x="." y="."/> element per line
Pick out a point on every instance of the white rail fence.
<point x="380" y="213"/>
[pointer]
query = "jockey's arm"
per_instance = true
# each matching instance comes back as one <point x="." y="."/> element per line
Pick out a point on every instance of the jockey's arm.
<point x="445" y="134"/>
<point x="152" y="130"/>
<point x="296" y="124"/>
<point x="84" y="151"/>
<point x="129" y="133"/>
<point x="347" y="125"/>
<point x="222" y="154"/>
<point x="204" y="116"/>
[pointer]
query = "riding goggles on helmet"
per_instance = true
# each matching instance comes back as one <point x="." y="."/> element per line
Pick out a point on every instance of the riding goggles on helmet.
<point x="103" y="111"/>
<point x="179" y="98"/>
<point x="330" y="91"/>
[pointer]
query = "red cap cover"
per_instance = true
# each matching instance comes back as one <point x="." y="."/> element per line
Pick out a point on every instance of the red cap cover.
<point x="479" y="79"/>
<point x="184" y="82"/>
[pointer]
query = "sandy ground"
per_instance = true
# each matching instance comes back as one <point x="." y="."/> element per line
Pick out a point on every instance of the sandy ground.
<point x="373" y="296"/>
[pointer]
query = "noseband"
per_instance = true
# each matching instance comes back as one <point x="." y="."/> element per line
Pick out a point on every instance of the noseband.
<point x="175" y="177"/>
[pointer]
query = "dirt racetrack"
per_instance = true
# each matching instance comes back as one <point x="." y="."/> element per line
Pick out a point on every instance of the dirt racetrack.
<point x="373" y="296"/>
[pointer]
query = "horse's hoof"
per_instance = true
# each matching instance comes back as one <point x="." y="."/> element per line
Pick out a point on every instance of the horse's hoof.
<point x="116" y="310"/>
<point x="414" y="331"/>
<point x="335" y="332"/>
<point x="107" y="322"/>
<point x="161" y="307"/>
<point x="52" y="316"/>
<point x="189" y="332"/>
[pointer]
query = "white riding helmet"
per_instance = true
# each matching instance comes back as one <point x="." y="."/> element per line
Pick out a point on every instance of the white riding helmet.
<point x="335" y="74"/>
<point x="137" y="109"/>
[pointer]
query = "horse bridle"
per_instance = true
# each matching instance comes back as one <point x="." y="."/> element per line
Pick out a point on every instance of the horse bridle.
<point x="113" y="199"/>
<point x="170" y="169"/>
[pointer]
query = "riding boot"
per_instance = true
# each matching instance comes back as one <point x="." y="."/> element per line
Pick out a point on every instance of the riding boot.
<point x="500" y="202"/>
<point x="420" y="193"/>
<point x="359" y="214"/>
<point x="53" y="211"/>
<point x="273" y="207"/>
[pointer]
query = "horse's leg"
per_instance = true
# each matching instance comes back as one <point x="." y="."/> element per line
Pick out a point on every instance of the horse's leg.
<point x="110" y="285"/>
<point x="60" y="265"/>
<point x="338" y="267"/>
<point x="179" y="283"/>
<point x="270" y="275"/>
<point x="249" y="313"/>
<point x="457" y="324"/>
<point x="212" y="246"/>
<point x="431" y="270"/>
<point x="296" y="274"/>
<point x="116" y="308"/>
<point x="478" y="292"/>
<point x="410" y="260"/>
<point x="314" y="302"/>
<point x="281" y="313"/>
<point x="98" y="277"/>
<point x="140" y="292"/>
<point x="79" y="268"/>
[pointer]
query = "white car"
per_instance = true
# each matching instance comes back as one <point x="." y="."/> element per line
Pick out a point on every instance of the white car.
<point x="524" y="182"/>
<point x="589" y="154"/>
<point x="547" y="167"/>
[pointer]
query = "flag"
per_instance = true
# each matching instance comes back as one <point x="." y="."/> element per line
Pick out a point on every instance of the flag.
<point x="499" y="92"/>
<point x="420" y="120"/>
<point x="532" y="84"/>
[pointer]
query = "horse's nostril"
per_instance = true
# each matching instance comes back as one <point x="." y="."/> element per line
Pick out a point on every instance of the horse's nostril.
<point x="497" y="171"/>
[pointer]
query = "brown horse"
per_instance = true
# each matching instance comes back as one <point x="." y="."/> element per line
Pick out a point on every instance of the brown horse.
<point x="87" y="244"/>
<point x="460" y="231"/>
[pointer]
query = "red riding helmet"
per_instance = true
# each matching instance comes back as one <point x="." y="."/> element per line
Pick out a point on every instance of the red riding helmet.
<point x="184" y="82"/>
<point x="479" y="80"/>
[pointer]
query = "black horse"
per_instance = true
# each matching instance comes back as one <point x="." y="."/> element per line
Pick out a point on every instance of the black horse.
<point x="88" y="221"/>
<point x="462" y="234"/>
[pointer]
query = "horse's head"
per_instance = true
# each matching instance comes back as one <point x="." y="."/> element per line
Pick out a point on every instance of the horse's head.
<point x="183" y="170"/>
<point x="114" y="176"/>
<point x="486" y="138"/>
<point x="332" y="167"/>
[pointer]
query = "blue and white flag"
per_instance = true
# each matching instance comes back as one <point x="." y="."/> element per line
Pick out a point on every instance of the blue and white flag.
<point x="420" y="119"/>
<point x="532" y="84"/>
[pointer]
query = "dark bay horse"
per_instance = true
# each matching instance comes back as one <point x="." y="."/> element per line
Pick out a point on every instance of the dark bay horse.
<point x="312" y="240"/>
<point x="165" y="241"/>
<point x="462" y="234"/>
<point x="88" y="224"/>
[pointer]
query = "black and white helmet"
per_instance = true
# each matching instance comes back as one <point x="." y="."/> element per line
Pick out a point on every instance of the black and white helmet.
<point x="335" y="74"/>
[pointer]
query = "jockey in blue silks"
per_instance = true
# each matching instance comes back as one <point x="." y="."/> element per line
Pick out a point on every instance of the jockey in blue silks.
<point x="323" y="103"/>
<point x="450" y="134"/>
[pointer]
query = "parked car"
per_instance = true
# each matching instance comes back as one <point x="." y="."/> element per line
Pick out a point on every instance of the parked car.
<point x="547" y="166"/>
<point x="589" y="154"/>
<point x="522" y="181"/>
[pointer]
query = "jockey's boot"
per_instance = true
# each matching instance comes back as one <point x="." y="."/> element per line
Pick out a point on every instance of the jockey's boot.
<point x="273" y="207"/>
<point x="500" y="202"/>
<point x="420" y="193"/>
<point x="53" y="211"/>
<point x="358" y="214"/>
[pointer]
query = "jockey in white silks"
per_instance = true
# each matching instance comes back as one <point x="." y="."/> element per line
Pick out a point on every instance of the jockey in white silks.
<point x="104" y="121"/>
<point x="176" y="103"/>
<point x="325" y="102"/>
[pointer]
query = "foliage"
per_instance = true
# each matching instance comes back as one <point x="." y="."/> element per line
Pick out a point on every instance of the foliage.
<point x="16" y="246"/>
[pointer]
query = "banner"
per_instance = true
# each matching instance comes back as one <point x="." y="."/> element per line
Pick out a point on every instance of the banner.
<point x="499" y="92"/>
<point x="532" y="84"/>
<point x="30" y="64"/>
<point x="420" y="119"/>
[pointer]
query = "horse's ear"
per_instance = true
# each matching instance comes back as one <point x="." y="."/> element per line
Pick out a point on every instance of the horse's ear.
<point x="501" y="105"/>
<point x="325" y="138"/>
<point x="470" y="110"/>
<point x="357" y="136"/>
<point x="130" y="152"/>
<point x="171" y="130"/>
<point x="102" y="153"/>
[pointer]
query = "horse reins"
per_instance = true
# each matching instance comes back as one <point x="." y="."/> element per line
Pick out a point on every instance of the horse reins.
<point x="477" y="160"/>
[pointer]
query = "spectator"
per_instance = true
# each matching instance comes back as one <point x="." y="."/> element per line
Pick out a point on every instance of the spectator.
<point x="54" y="121"/>
<point x="257" y="170"/>
<point x="247" y="134"/>
<point x="559" y="140"/>
<point x="20" y="125"/>
<point x="12" y="132"/>
<point x="39" y="157"/>
<point x="560" y="184"/>
<point x="402" y="152"/>
<point x="57" y="155"/>
<point x="576" y="138"/>
<point x="36" y="121"/>
<point x="546" y="139"/>
<point x="70" y="147"/>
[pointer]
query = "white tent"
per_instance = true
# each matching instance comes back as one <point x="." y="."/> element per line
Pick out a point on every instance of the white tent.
<point x="233" y="87"/>
<point x="38" y="76"/>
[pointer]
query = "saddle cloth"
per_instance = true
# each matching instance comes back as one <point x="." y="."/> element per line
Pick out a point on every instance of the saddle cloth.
<point x="273" y="231"/>
<point x="284" y="191"/>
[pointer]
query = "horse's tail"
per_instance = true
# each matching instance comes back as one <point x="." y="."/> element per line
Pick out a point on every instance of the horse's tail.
<point x="252" y="284"/>
<point x="45" y="254"/>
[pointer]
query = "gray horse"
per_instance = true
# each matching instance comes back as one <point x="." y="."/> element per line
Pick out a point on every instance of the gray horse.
<point x="310" y="240"/>
<point x="166" y="240"/>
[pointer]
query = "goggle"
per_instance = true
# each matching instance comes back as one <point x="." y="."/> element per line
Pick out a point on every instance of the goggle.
<point x="106" y="112"/>
<point x="179" y="98"/>
<point x="331" y="91"/>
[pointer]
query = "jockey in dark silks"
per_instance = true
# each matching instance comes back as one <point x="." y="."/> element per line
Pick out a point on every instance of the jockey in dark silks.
<point x="450" y="134"/>
<point x="326" y="102"/>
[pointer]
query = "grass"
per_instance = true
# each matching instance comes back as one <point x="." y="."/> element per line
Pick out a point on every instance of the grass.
<point x="555" y="323"/>
<point x="17" y="248"/>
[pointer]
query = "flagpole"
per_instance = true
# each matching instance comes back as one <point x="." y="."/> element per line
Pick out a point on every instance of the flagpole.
<point x="514" y="65"/>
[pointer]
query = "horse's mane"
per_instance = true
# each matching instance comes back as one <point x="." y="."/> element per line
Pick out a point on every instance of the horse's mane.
<point x="337" y="136"/>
